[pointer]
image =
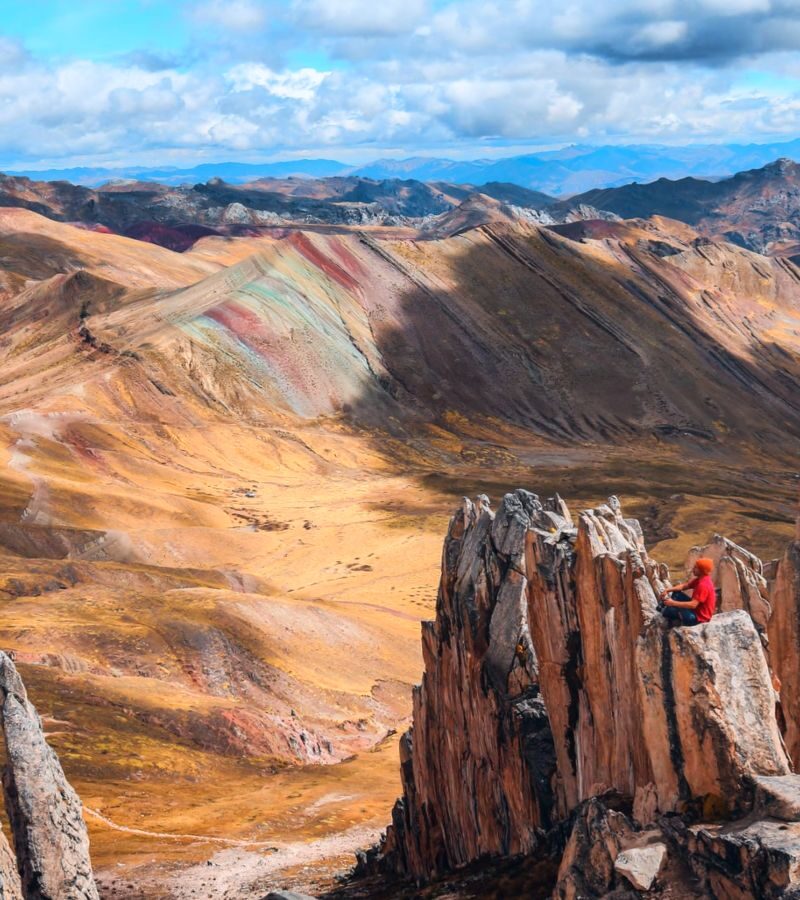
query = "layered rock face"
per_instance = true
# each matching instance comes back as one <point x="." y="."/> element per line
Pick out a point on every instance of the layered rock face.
<point x="478" y="769"/>
<point x="50" y="839"/>
<point x="551" y="680"/>
<point x="784" y="639"/>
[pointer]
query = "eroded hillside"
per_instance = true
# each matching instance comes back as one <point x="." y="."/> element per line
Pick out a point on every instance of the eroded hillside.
<point x="225" y="473"/>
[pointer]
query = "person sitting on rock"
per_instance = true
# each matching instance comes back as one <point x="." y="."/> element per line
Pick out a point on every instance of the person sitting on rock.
<point x="680" y="607"/>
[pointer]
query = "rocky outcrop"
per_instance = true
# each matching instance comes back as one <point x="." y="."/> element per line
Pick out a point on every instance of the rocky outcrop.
<point x="709" y="712"/>
<point x="552" y="680"/>
<point x="608" y="856"/>
<point x="484" y="783"/>
<point x="758" y="859"/>
<point x="595" y="843"/>
<point x="50" y="838"/>
<point x="10" y="887"/>
<point x="784" y="640"/>
<point x="771" y="595"/>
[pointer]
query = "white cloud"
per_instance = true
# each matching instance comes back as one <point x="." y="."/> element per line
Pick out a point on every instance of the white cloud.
<point x="401" y="74"/>
<point x="661" y="34"/>
<point x="300" y="84"/>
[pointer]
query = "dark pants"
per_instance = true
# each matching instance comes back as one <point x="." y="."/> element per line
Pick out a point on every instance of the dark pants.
<point x="676" y="614"/>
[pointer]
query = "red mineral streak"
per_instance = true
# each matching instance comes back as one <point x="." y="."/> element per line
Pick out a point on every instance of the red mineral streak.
<point x="302" y="243"/>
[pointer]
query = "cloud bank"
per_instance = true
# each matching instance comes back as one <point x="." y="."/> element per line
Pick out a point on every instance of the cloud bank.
<point x="333" y="77"/>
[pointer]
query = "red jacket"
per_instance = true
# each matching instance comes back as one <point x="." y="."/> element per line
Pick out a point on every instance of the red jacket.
<point x="705" y="593"/>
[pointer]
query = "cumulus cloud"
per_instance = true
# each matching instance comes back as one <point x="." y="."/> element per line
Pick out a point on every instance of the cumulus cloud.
<point x="699" y="30"/>
<point x="416" y="74"/>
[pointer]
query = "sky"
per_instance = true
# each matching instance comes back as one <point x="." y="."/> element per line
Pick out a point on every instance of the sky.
<point x="179" y="82"/>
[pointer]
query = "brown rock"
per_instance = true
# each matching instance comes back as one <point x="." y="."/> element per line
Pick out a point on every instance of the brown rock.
<point x="771" y="595"/>
<point x="10" y="887"/>
<point x="778" y="797"/>
<point x="551" y="678"/>
<point x="741" y="861"/>
<point x="590" y="601"/>
<point x="596" y="841"/>
<point x="784" y="641"/>
<point x="477" y="766"/>
<point x="708" y="712"/>
<point x="50" y="839"/>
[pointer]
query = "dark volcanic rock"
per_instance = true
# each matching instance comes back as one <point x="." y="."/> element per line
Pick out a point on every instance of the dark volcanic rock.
<point x="50" y="839"/>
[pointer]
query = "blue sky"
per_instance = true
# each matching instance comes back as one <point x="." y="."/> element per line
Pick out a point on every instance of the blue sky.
<point x="121" y="82"/>
<point x="93" y="29"/>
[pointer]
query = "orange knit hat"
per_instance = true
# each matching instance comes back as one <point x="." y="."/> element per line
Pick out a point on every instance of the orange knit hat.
<point x="705" y="565"/>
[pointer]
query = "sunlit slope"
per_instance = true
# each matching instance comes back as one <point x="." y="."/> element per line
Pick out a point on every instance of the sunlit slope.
<point x="32" y="246"/>
<point x="222" y="490"/>
<point x="634" y="333"/>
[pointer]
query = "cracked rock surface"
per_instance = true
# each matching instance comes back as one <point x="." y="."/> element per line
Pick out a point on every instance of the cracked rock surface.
<point x="557" y="705"/>
<point x="45" y="813"/>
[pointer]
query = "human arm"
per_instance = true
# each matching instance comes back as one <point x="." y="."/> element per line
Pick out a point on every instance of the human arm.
<point x="678" y="587"/>
<point x="682" y="604"/>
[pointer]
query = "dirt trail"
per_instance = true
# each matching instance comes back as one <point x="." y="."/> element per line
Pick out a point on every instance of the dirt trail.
<point x="167" y="836"/>
<point x="242" y="870"/>
<point x="243" y="874"/>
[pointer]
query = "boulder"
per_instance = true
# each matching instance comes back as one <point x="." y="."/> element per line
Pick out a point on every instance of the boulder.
<point x="778" y="797"/>
<point x="50" y="838"/>
<point x="708" y="713"/>
<point x="641" y="865"/>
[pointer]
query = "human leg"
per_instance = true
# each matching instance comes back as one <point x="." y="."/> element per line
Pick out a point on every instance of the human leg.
<point x="676" y="614"/>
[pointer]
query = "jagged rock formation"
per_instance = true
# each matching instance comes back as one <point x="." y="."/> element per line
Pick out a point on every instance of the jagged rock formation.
<point x="755" y="209"/>
<point x="552" y="684"/>
<point x="492" y="801"/>
<point x="50" y="839"/>
<point x="784" y="639"/>
<point x="10" y="887"/>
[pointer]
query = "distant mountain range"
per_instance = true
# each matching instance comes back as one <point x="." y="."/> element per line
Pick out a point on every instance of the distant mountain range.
<point x="564" y="172"/>
<point x="758" y="209"/>
<point x="176" y="216"/>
